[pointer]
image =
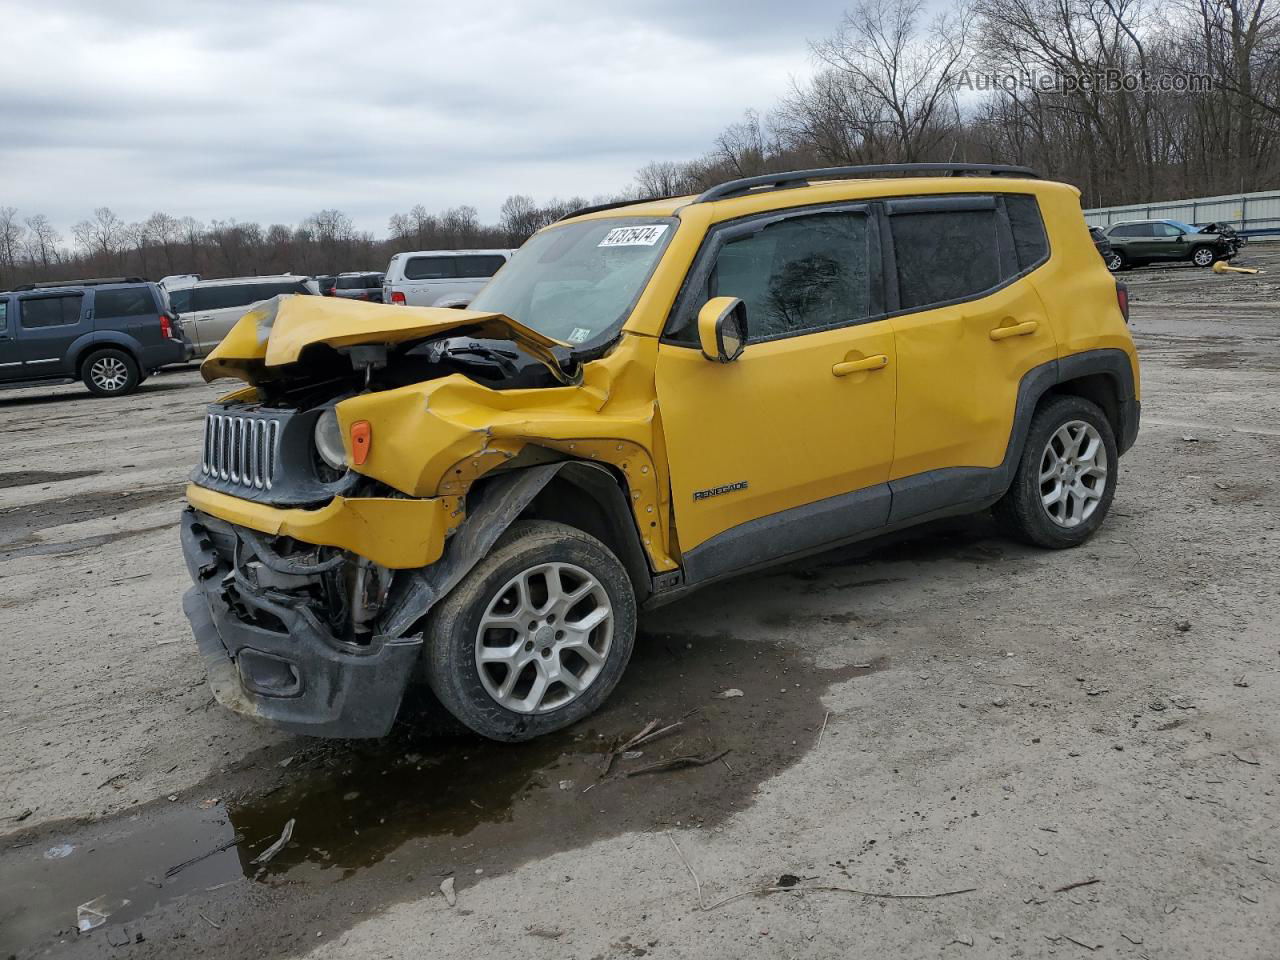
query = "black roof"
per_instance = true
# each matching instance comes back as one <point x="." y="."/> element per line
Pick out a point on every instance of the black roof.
<point x="98" y="282"/>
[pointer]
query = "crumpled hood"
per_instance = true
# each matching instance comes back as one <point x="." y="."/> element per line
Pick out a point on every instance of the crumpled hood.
<point x="276" y="332"/>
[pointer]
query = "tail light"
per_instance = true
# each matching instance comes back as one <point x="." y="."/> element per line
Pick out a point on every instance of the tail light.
<point x="1122" y="299"/>
<point x="397" y="296"/>
<point x="166" y="327"/>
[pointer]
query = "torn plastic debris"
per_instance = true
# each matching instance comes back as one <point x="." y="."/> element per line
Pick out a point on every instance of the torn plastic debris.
<point x="267" y="855"/>
<point x="96" y="911"/>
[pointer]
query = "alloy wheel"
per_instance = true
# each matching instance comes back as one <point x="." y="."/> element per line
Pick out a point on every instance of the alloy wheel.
<point x="109" y="374"/>
<point x="1073" y="473"/>
<point x="1202" y="257"/>
<point x="544" y="638"/>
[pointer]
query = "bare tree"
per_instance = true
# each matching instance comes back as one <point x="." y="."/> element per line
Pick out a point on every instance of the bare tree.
<point x="11" y="231"/>
<point x="42" y="241"/>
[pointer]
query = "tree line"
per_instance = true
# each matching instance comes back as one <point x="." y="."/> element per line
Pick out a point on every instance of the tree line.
<point x="894" y="82"/>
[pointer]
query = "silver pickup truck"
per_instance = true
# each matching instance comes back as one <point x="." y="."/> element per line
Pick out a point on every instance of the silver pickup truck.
<point x="440" y="278"/>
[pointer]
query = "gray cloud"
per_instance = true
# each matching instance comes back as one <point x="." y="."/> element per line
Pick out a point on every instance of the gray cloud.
<point x="270" y="110"/>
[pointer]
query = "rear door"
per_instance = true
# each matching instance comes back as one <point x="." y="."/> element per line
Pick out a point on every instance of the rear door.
<point x="968" y="328"/>
<point x="426" y="279"/>
<point x="10" y="362"/>
<point x="50" y="323"/>
<point x="131" y="310"/>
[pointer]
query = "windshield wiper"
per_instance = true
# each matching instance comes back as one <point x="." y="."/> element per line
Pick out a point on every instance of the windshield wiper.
<point x="503" y="358"/>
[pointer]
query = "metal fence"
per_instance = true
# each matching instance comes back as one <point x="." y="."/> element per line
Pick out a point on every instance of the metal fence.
<point x="1252" y="214"/>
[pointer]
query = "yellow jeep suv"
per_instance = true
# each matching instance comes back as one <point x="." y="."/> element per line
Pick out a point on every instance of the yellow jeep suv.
<point x="648" y="397"/>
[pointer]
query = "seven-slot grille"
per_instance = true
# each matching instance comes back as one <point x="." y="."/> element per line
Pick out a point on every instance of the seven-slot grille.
<point x="241" y="450"/>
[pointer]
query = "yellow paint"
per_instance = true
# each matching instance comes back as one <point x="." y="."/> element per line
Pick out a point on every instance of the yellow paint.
<point x="396" y="533"/>
<point x="276" y="332"/>
<point x="797" y="419"/>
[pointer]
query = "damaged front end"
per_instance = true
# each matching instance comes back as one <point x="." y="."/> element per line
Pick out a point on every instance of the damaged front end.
<point x="311" y="577"/>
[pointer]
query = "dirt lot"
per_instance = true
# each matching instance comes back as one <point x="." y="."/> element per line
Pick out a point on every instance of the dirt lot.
<point x="944" y="712"/>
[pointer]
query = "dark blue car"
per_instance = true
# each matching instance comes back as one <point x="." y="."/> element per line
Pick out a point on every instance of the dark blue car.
<point x="112" y="334"/>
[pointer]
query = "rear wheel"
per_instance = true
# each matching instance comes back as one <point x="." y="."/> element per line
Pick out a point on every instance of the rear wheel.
<point x="535" y="637"/>
<point x="1203" y="256"/>
<point x="1066" y="477"/>
<point x="110" y="373"/>
<point x="1116" y="261"/>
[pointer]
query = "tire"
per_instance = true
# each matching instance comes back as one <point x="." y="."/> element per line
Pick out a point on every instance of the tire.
<point x="110" y="373"/>
<point x="1116" y="261"/>
<point x="1203" y="256"/>
<point x="1026" y="510"/>
<point x="491" y="592"/>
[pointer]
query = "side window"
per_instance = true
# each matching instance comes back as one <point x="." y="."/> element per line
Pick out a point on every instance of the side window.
<point x="429" y="268"/>
<point x="945" y="255"/>
<point x="797" y="275"/>
<point x="51" y="311"/>
<point x="1166" y="230"/>
<point x="4" y="318"/>
<point x="1126" y="230"/>
<point x="479" y="265"/>
<point x="1030" y="245"/>
<point x="128" y="302"/>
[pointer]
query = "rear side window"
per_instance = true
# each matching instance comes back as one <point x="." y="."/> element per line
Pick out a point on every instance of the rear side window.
<point x="127" y="302"/>
<point x="180" y="300"/>
<point x="265" y="291"/>
<point x="1030" y="245"/>
<point x="430" y="268"/>
<point x="51" y="311"/>
<point x="479" y="265"/>
<point x="945" y="255"/>
<point x="4" y="318"/>
<point x="241" y="294"/>
<point x="798" y="275"/>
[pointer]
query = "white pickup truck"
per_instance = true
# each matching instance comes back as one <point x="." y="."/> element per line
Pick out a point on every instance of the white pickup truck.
<point x="440" y="278"/>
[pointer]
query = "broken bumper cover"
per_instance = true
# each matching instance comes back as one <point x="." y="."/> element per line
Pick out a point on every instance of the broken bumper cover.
<point x="300" y="679"/>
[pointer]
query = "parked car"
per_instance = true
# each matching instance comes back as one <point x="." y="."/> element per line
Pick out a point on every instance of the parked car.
<point x="1135" y="243"/>
<point x="1101" y="243"/>
<point x="326" y="283"/>
<point x="359" y="286"/>
<point x="440" y="278"/>
<point x="110" y="333"/>
<point x="707" y="385"/>
<point x="210" y="308"/>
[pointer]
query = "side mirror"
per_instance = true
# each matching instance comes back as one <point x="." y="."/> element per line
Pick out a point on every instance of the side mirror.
<point x="722" y="329"/>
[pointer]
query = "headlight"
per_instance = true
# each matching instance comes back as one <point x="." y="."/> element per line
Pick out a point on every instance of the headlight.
<point x="328" y="438"/>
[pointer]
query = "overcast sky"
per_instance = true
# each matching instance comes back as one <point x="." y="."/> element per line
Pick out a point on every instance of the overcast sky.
<point x="270" y="110"/>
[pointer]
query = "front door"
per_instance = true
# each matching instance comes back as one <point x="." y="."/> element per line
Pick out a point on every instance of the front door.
<point x="10" y="361"/>
<point x="788" y="447"/>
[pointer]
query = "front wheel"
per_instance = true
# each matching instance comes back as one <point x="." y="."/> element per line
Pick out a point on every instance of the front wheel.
<point x="1203" y="256"/>
<point x="1066" y="477"/>
<point x="535" y="637"/>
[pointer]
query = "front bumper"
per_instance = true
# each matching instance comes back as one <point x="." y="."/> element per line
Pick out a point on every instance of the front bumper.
<point x="270" y="658"/>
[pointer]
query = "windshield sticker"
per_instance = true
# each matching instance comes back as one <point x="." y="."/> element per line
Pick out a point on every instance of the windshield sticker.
<point x="634" y="236"/>
<point x="579" y="335"/>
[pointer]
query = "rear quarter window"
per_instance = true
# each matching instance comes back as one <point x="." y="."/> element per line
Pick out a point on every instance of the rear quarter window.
<point x="1030" y="245"/>
<point x="4" y="318"/>
<point x="431" y="268"/>
<point x="126" y="302"/>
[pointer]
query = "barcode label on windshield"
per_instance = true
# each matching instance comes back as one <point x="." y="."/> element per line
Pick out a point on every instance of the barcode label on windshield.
<point x="634" y="236"/>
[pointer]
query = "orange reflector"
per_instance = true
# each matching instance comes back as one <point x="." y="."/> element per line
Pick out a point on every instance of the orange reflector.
<point x="361" y="440"/>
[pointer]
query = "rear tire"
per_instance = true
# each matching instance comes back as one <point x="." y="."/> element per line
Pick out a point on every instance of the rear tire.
<point x="1066" y="477"/>
<point x="1116" y="261"/>
<point x="110" y="373"/>
<point x="535" y="637"/>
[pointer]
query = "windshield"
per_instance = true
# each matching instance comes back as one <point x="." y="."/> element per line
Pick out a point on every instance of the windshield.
<point x="578" y="282"/>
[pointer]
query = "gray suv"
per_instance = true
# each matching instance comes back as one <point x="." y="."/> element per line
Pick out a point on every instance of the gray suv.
<point x="112" y="334"/>
<point x="1135" y="243"/>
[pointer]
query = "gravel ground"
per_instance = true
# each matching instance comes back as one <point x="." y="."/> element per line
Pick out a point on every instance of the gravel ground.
<point x="936" y="712"/>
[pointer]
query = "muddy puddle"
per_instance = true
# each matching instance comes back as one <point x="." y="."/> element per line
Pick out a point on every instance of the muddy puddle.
<point x="380" y="822"/>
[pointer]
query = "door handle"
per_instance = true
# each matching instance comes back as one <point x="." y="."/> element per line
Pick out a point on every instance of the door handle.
<point x="1016" y="330"/>
<point x="846" y="367"/>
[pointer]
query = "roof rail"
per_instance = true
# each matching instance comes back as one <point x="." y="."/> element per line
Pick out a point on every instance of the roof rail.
<point x="53" y="284"/>
<point x="801" y="178"/>
<point x="613" y="205"/>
